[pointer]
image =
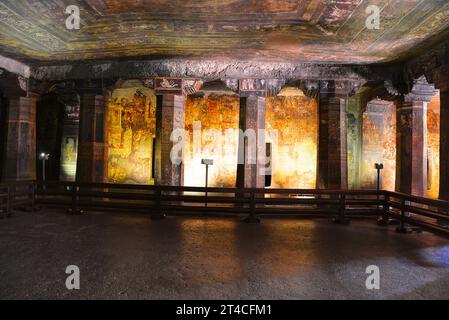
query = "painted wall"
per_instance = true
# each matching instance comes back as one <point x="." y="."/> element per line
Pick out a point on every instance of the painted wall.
<point x="69" y="141"/>
<point x="295" y="119"/>
<point x="216" y="116"/>
<point x="433" y="147"/>
<point x="379" y="144"/>
<point x="131" y="128"/>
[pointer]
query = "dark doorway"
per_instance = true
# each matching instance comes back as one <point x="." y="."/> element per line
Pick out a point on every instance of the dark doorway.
<point x="49" y="118"/>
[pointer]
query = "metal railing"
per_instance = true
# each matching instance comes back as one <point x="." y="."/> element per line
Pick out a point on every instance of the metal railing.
<point x="159" y="200"/>
<point x="17" y="195"/>
<point x="429" y="214"/>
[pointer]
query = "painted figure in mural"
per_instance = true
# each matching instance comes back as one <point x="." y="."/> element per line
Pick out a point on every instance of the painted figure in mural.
<point x="69" y="149"/>
<point x="131" y="129"/>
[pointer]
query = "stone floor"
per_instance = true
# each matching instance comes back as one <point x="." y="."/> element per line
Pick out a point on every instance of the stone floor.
<point x="127" y="256"/>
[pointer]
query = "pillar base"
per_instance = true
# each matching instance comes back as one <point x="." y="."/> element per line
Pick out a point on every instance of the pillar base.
<point x="251" y="220"/>
<point x="342" y="220"/>
<point x="404" y="229"/>
<point x="158" y="216"/>
<point x="76" y="212"/>
<point x="408" y="229"/>
<point x="384" y="222"/>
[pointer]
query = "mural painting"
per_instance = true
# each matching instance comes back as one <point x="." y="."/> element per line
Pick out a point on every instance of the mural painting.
<point x="433" y="147"/>
<point x="295" y="119"/>
<point x="131" y="129"/>
<point x="379" y="144"/>
<point x="69" y="143"/>
<point x="216" y="116"/>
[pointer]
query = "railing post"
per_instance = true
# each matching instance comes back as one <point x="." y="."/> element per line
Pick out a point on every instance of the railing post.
<point x="158" y="214"/>
<point x="402" y="227"/>
<point x="8" y="203"/>
<point x="252" y="209"/>
<point x="75" y="209"/>
<point x="342" y="219"/>
<point x="384" y="219"/>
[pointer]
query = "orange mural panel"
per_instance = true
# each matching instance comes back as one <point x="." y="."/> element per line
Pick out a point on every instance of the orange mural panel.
<point x="433" y="148"/>
<point x="216" y="119"/>
<point x="292" y="128"/>
<point x="131" y="128"/>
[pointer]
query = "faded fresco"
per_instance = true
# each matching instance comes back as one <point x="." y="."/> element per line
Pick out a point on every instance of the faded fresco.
<point x="131" y="129"/>
<point x="295" y="118"/>
<point x="69" y="143"/>
<point x="379" y="144"/>
<point x="433" y="148"/>
<point x="217" y="113"/>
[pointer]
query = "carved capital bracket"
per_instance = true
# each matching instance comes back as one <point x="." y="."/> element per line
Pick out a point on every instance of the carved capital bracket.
<point x="173" y="86"/>
<point x="422" y="91"/>
<point x="332" y="88"/>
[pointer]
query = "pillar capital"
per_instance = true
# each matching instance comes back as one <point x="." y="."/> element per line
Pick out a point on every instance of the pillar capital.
<point x="337" y="88"/>
<point x="422" y="91"/>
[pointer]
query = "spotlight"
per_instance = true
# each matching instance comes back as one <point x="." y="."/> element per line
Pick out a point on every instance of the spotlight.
<point x="44" y="157"/>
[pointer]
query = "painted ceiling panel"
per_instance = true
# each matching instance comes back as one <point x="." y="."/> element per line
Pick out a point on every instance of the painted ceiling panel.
<point x="293" y="30"/>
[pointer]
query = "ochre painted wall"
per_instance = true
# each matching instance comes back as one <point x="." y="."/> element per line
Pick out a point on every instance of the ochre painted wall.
<point x="295" y="120"/>
<point x="218" y="118"/>
<point x="131" y="128"/>
<point x="433" y="147"/>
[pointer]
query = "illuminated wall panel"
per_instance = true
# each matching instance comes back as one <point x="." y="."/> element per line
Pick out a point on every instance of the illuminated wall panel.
<point x="69" y="144"/>
<point x="433" y="147"/>
<point x="217" y="116"/>
<point x="379" y="144"/>
<point x="131" y="128"/>
<point x="295" y="119"/>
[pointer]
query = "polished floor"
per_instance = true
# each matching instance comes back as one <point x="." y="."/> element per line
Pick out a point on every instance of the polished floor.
<point x="127" y="256"/>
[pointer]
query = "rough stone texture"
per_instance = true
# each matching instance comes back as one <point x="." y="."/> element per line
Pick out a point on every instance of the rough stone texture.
<point x="124" y="256"/>
<point x="14" y="66"/>
<point x="205" y="69"/>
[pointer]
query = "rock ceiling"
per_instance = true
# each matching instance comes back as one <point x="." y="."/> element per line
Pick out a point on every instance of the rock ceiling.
<point x="331" y="31"/>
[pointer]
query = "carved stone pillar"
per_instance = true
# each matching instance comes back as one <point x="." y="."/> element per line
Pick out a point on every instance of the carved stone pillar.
<point x="444" y="144"/>
<point x="20" y="151"/>
<point x="412" y="144"/>
<point x="251" y="158"/>
<point x="332" y="142"/>
<point x="91" y="161"/>
<point x="170" y="122"/>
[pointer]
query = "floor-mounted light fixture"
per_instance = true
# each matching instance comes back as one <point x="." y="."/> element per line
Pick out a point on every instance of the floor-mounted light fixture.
<point x="207" y="163"/>
<point x="44" y="157"/>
